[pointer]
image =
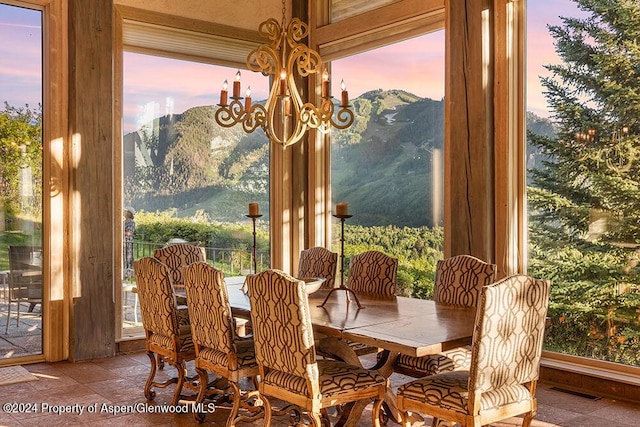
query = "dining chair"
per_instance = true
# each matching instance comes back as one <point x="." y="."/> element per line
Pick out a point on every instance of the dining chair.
<point x="178" y="255"/>
<point x="25" y="280"/>
<point x="459" y="280"/>
<point x="166" y="340"/>
<point x="505" y="361"/>
<point x="286" y="356"/>
<point x="373" y="273"/>
<point x="217" y="347"/>
<point x="318" y="262"/>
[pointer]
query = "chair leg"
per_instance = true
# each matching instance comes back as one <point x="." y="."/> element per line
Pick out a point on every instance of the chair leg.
<point x="404" y="419"/>
<point x="316" y="419"/>
<point x="6" y="326"/>
<point x="180" y="368"/>
<point x="267" y="410"/>
<point x="375" y="412"/>
<point x="237" y="398"/>
<point x="204" y="380"/>
<point x="148" y="393"/>
<point x="528" y="417"/>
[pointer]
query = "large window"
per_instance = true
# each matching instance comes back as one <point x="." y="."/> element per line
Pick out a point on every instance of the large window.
<point x="185" y="178"/>
<point x="388" y="166"/>
<point x="21" y="159"/>
<point x="583" y="174"/>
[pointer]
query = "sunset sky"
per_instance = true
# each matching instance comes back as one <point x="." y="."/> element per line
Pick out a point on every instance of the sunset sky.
<point x="417" y="67"/>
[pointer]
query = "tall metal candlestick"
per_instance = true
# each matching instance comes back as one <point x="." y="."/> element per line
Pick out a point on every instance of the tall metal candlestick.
<point x="343" y="286"/>
<point x="255" y="246"/>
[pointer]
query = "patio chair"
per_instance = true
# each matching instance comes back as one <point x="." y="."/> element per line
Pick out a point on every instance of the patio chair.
<point x="167" y="341"/>
<point x="505" y="360"/>
<point x="459" y="280"/>
<point x="286" y="354"/>
<point x="25" y="280"/>
<point x="318" y="262"/>
<point x="217" y="347"/>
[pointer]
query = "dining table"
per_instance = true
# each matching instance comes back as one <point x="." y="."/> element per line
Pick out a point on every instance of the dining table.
<point x="395" y="325"/>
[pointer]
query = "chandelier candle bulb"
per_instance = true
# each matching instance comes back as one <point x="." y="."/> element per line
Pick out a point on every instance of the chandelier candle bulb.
<point x="345" y="94"/>
<point x="283" y="82"/>
<point x="254" y="209"/>
<point x="247" y="100"/>
<point x="325" y="84"/>
<point x="236" y="86"/>
<point x="224" y="93"/>
<point x="342" y="208"/>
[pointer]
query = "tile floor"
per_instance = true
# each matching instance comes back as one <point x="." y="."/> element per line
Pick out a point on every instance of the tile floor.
<point x="120" y="380"/>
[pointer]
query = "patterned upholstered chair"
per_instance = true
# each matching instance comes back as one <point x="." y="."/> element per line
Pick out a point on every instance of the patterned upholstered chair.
<point x="505" y="361"/>
<point x="178" y="255"/>
<point x="166" y="339"/>
<point x="319" y="262"/>
<point x="373" y="273"/>
<point x="458" y="282"/>
<point x="218" y="350"/>
<point x="286" y="353"/>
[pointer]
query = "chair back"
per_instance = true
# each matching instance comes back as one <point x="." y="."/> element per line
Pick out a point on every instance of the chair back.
<point x="459" y="280"/>
<point x="209" y="309"/>
<point x="319" y="262"/>
<point x="373" y="273"/>
<point x="178" y="255"/>
<point x="282" y="328"/>
<point x="25" y="274"/>
<point x="157" y="300"/>
<point x="508" y="334"/>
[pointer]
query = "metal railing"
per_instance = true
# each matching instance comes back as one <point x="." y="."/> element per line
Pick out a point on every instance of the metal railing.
<point x="233" y="262"/>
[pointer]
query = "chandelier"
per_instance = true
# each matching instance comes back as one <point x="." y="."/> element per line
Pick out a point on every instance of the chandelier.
<point x="284" y="118"/>
<point x="619" y="151"/>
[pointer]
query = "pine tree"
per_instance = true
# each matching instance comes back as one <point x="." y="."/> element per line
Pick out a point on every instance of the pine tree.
<point x="584" y="200"/>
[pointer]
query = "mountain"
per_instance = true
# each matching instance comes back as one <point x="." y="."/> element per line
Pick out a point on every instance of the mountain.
<point x="385" y="165"/>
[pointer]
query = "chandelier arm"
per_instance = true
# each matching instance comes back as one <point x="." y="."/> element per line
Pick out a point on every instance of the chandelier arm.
<point x="230" y="115"/>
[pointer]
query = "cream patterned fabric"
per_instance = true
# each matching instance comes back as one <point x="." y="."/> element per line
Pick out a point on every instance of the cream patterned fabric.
<point x="505" y="359"/>
<point x="286" y="355"/>
<point x="178" y="255"/>
<point x="459" y="280"/>
<point x="213" y="329"/>
<point x="282" y="324"/>
<point x="166" y="340"/>
<point x="374" y="273"/>
<point x="319" y="262"/>
<point x="212" y="325"/>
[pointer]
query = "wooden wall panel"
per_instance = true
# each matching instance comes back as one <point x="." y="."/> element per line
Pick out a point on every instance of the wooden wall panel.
<point x="92" y="333"/>
<point x="468" y="146"/>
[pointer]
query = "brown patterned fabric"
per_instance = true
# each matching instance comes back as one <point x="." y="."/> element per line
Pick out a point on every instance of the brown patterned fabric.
<point x="178" y="255"/>
<point x="166" y="339"/>
<point x="334" y="378"/>
<point x="286" y="355"/>
<point x="374" y="273"/>
<point x="505" y="359"/>
<point x="458" y="282"/>
<point x="213" y="329"/>
<point x="319" y="262"/>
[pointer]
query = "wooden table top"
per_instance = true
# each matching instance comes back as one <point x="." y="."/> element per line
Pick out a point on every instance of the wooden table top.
<point x="405" y="325"/>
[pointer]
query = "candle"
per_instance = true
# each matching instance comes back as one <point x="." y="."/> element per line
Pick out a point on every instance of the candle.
<point x="254" y="209"/>
<point x="223" y="93"/>
<point x="236" y="86"/>
<point x="342" y="208"/>
<point x="325" y="83"/>
<point x="287" y="105"/>
<point x="247" y="100"/>
<point x="283" y="82"/>
<point x="345" y="94"/>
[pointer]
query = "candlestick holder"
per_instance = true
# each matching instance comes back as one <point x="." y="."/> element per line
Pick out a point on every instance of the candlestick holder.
<point x="255" y="246"/>
<point x="343" y="286"/>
